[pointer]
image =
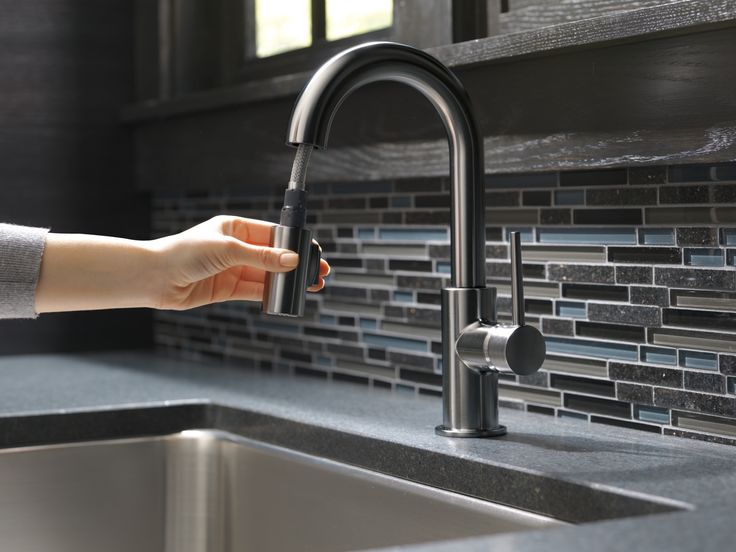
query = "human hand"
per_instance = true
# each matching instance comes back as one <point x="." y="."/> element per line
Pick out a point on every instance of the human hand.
<point x="222" y="259"/>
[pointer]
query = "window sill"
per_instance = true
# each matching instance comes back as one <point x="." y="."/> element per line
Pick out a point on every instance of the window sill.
<point x="644" y="24"/>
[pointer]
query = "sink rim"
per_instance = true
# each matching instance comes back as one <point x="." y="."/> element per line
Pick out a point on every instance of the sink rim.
<point x="502" y="484"/>
<point x="221" y="436"/>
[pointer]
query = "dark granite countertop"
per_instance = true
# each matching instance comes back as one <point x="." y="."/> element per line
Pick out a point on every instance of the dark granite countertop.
<point x="567" y="461"/>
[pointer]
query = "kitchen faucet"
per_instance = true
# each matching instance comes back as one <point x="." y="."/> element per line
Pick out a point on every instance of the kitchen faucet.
<point x="475" y="347"/>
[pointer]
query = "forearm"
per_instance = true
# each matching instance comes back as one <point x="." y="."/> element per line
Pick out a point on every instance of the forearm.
<point x="84" y="272"/>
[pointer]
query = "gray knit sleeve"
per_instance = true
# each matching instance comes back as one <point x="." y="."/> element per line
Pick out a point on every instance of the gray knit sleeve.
<point x="21" y="249"/>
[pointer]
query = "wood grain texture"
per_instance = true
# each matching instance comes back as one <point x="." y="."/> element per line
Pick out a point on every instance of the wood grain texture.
<point x="525" y="15"/>
<point x="670" y="100"/>
<point x="65" y="162"/>
<point x="643" y="24"/>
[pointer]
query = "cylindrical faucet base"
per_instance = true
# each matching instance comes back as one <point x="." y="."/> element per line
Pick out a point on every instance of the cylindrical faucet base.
<point x="469" y="398"/>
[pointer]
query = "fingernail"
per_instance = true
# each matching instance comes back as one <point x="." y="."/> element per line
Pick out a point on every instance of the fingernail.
<point x="289" y="259"/>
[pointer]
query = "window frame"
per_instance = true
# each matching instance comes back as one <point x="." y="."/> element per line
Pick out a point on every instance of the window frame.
<point x="186" y="47"/>
<point x="247" y="66"/>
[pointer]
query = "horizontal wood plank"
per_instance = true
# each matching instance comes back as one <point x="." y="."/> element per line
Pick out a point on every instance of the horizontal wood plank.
<point x="670" y="100"/>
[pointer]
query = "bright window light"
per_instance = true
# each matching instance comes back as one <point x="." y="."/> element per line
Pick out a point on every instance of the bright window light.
<point x="283" y="25"/>
<point x="349" y="17"/>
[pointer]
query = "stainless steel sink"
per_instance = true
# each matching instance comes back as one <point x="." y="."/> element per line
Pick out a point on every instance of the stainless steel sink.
<point x="212" y="491"/>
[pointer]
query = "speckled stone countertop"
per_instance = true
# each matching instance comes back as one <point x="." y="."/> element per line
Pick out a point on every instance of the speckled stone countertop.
<point x="565" y="468"/>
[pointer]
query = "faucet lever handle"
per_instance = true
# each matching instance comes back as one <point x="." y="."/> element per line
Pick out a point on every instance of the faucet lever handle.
<point x="517" y="281"/>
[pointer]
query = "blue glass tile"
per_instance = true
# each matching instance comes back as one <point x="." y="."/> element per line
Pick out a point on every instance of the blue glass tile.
<point x="574" y="415"/>
<point x="585" y="347"/>
<point x="395" y="342"/>
<point x="704" y="257"/>
<point x="423" y="234"/>
<point x="444" y="268"/>
<point x="731" y="385"/>
<point x="657" y="236"/>
<point x="366" y="233"/>
<point x="527" y="234"/>
<point x="401" y="388"/>
<point x="324" y="361"/>
<point x="368" y="324"/>
<point x="569" y="309"/>
<point x="731" y="257"/>
<point x="601" y="236"/>
<point x="438" y="370"/>
<point x="404" y="296"/>
<point x="401" y="201"/>
<point x="729" y="236"/>
<point x="659" y="355"/>
<point x="653" y="414"/>
<point x="327" y="319"/>
<point x="569" y="197"/>
<point x="695" y="359"/>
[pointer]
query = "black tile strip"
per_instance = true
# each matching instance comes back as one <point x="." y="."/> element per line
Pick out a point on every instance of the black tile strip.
<point x="583" y="385"/>
<point x="598" y="406"/>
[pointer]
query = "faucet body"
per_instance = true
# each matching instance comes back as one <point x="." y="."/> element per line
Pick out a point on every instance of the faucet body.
<point x="474" y="346"/>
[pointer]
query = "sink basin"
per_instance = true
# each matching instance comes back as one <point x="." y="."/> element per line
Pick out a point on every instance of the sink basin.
<point x="213" y="491"/>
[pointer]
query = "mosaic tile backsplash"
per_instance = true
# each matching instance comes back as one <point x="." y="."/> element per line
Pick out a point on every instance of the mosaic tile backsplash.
<point x="629" y="273"/>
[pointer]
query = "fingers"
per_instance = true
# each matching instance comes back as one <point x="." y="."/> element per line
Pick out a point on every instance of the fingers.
<point x="260" y="256"/>
<point x="324" y="268"/>
<point x="257" y="232"/>
<point x="247" y="291"/>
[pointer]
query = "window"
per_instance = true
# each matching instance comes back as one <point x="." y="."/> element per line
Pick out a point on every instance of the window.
<point x="287" y="36"/>
<point x="287" y="25"/>
<point x="187" y="46"/>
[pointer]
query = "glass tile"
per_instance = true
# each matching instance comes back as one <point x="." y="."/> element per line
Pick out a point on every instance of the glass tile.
<point x="571" y="310"/>
<point x="395" y="342"/>
<point x="695" y="359"/>
<point x="704" y="257"/>
<point x="404" y="296"/>
<point x="401" y="201"/>
<point x="586" y="347"/>
<point x="526" y="234"/>
<point x="282" y="26"/>
<point x="368" y="324"/>
<point x="424" y="234"/>
<point x="600" y="236"/>
<point x="444" y="268"/>
<point x="574" y="415"/>
<point x="729" y="236"/>
<point x="366" y="233"/>
<point x="653" y="414"/>
<point x="659" y="355"/>
<point x="569" y="197"/>
<point x="390" y="249"/>
<point x="656" y="236"/>
<point x="345" y="18"/>
<point x="327" y="319"/>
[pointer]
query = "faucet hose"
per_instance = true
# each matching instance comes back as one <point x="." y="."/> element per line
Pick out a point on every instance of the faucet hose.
<point x="299" y="168"/>
<point x="294" y="211"/>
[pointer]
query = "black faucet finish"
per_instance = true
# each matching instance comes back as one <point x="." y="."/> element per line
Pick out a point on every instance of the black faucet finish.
<point x="474" y="346"/>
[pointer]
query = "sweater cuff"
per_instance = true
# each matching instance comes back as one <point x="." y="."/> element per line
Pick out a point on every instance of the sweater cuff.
<point x="21" y="250"/>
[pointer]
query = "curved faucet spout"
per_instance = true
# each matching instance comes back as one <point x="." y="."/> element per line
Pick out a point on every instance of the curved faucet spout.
<point x="379" y="61"/>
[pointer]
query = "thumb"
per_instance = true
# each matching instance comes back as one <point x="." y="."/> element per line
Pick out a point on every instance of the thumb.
<point x="267" y="258"/>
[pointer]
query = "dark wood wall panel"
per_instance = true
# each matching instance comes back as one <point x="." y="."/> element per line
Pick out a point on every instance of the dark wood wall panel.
<point x="664" y="100"/>
<point x="66" y="68"/>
